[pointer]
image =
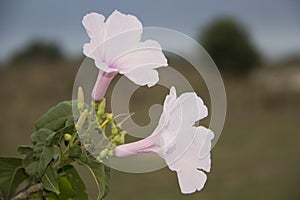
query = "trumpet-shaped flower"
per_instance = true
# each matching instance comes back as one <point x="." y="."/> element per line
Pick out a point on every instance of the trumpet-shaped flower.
<point x="116" y="47"/>
<point x="185" y="147"/>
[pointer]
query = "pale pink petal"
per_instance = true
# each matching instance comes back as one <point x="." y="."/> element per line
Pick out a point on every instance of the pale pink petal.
<point x="148" y="53"/>
<point x="169" y="100"/>
<point x="101" y="85"/>
<point x="143" y="76"/>
<point x="146" y="145"/>
<point x="206" y="136"/>
<point x="94" y="25"/>
<point x="122" y="33"/>
<point x="191" y="180"/>
<point x="181" y="114"/>
<point x="118" y="23"/>
<point x="193" y="108"/>
<point x="191" y="143"/>
<point x="139" y="64"/>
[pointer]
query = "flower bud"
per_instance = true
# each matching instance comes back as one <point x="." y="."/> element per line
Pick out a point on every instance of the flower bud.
<point x="110" y="153"/>
<point x="67" y="137"/>
<point x="80" y="99"/>
<point x="99" y="159"/>
<point x="114" y="129"/>
<point x="101" y="107"/>
<point x="103" y="153"/>
<point x="81" y="120"/>
<point x="120" y="139"/>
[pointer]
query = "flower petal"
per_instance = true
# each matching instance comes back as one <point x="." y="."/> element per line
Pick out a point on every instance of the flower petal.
<point x="148" y="53"/>
<point x="205" y="136"/>
<point x="193" y="108"/>
<point x="143" y="76"/>
<point x="193" y="146"/>
<point x="188" y="166"/>
<point x="122" y="33"/>
<point x="146" y="145"/>
<point x="169" y="100"/>
<point x="191" y="180"/>
<point x="178" y="119"/>
<point x="101" y="85"/>
<point x="139" y="63"/>
<point x="94" y="25"/>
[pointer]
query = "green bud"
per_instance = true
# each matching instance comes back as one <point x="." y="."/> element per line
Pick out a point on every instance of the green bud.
<point x="99" y="159"/>
<point x="67" y="137"/>
<point x="110" y="153"/>
<point x="120" y="139"/>
<point x="80" y="99"/>
<point x="81" y="120"/>
<point x="114" y="129"/>
<point x="103" y="153"/>
<point x="101" y="107"/>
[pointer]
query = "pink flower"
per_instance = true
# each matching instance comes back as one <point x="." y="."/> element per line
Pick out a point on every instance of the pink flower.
<point x="116" y="47"/>
<point x="185" y="147"/>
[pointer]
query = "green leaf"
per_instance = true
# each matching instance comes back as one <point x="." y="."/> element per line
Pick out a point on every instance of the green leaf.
<point x="30" y="163"/>
<point x="65" y="188"/>
<point x="45" y="158"/>
<point x="52" y="196"/>
<point x="27" y="150"/>
<point x="74" y="152"/>
<point x="50" y="181"/>
<point x="40" y="136"/>
<point x="70" y="121"/>
<point x="56" y="117"/>
<point x="11" y="175"/>
<point x="31" y="168"/>
<point x="101" y="175"/>
<point x="77" y="184"/>
<point x="42" y="151"/>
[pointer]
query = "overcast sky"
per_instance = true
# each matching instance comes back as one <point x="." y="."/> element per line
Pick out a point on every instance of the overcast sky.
<point x="274" y="25"/>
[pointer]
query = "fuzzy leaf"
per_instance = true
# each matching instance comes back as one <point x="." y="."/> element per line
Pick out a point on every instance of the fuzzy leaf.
<point x="11" y="175"/>
<point x="50" y="181"/>
<point x="27" y="150"/>
<point x="74" y="152"/>
<point x="56" y="117"/>
<point x="41" y="136"/>
<point x="31" y="168"/>
<point x="101" y="175"/>
<point x="45" y="158"/>
<point x="65" y="188"/>
<point x="77" y="184"/>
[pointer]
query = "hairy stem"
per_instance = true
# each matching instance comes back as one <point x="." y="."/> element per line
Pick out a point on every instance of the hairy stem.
<point x="28" y="192"/>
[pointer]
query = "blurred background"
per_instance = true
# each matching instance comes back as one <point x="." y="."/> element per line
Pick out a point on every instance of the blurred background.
<point x="255" y="44"/>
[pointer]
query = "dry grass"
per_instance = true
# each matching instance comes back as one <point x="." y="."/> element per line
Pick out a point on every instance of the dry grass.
<point x="257" y="156"/>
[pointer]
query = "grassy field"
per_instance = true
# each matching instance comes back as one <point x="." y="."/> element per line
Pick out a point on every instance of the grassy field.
<point x="257" y="156"/>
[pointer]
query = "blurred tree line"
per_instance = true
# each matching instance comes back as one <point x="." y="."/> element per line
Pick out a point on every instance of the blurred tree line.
<point x="225" y="40"/>
<point x="39" y="50"/>
<point x="230" y="47"/>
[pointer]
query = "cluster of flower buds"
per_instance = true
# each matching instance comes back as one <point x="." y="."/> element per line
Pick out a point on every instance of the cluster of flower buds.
<point x="96" y="118"/>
